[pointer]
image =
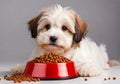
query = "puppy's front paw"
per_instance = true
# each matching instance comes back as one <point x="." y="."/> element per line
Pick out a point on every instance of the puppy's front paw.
<point x="18" y="69"/>
<point x="90" y="71"/>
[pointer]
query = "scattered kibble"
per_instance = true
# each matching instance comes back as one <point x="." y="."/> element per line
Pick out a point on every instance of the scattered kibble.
<point x="5" y="76"/>
<point x="85" y="79"/>
<point x="105" y="79"/>
<point x="109" y="78"/>
<point x="18" y="78"/>
<point x="114" y="78"/>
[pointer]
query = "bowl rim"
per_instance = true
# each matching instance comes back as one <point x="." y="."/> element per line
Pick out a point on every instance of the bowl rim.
<point x="50" y="62"/>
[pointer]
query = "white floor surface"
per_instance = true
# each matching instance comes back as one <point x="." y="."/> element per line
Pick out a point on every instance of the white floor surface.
<point x="112" y="72"/>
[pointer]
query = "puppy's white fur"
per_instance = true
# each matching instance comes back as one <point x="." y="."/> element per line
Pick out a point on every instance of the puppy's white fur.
<point x="90" y="59"/>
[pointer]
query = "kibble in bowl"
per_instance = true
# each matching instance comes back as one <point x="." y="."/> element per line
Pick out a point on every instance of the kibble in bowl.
<point x="51" y="66"/>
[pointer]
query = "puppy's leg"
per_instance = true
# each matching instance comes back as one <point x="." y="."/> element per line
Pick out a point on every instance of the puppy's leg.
<point x="20" y="67"/>
<point x="89" y="69"/>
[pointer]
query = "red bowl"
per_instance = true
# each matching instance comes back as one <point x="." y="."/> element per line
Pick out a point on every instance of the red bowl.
<point x="51" y="70"/>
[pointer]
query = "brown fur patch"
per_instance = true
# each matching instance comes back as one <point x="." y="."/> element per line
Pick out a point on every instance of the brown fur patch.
<point x="80" y="28"/>
<point x="33" y="23"/>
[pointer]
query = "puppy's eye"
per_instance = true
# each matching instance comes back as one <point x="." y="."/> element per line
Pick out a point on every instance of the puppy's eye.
<point x="64" y="28"/>
<point x="47" y="26"/>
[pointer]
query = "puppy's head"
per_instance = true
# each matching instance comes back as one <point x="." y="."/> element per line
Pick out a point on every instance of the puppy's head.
<point x="56" y="29"/>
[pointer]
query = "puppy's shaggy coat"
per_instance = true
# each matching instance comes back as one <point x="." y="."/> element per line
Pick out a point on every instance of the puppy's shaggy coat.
<point x="62" y="31"/>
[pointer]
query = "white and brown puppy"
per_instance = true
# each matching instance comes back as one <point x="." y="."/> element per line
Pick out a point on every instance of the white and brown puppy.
<point x="62" y="31"/>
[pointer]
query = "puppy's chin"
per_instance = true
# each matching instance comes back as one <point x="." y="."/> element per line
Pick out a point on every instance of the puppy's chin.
<point x="53" y="48"/>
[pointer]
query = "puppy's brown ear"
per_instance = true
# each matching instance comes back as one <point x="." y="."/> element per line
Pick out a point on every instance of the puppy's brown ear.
<point x="32" y="25"/>
<point x="80" y="29"/>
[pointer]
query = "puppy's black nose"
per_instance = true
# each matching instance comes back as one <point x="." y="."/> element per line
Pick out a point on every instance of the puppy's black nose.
<point x="53" y="38"/>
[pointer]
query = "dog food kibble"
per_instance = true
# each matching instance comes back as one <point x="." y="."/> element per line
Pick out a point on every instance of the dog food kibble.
<point x="105" y="79"/>
<point x="114" y="78"/>
<point x="109" y="78"/>
<point x="18" y="78"/>
<point x="51" y="57"/>
<point x="5" y="76"/>
<point x="85" y="79"/>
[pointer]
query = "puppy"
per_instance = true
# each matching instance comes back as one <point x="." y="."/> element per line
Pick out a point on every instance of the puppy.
<point x="61" y="31"/>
